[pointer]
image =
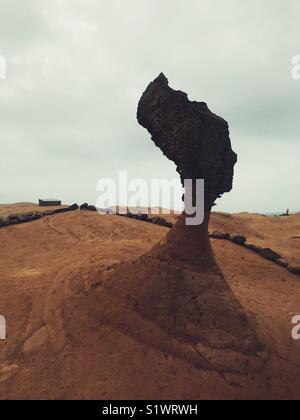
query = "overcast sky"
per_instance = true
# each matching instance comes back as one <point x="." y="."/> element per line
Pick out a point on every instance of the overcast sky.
<point x="77" y="68"/>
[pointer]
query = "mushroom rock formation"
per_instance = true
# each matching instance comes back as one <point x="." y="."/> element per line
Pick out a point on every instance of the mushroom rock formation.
<point x="174" y="300"/>
<point x="189" y="285"/>
<point x="189" y="134"/>
<point x="198" y="142"/>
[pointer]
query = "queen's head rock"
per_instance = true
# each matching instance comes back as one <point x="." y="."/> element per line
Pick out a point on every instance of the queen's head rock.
<point x="190" y="135"/>
<point x="173" y="300"/>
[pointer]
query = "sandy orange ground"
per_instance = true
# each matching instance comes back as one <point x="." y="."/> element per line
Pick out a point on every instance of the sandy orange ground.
<point x="46" y="266"/>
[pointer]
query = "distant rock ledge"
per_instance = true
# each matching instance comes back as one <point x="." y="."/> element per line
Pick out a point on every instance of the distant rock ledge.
<point x="267" y="253"/>
<point x="16" y="219"/>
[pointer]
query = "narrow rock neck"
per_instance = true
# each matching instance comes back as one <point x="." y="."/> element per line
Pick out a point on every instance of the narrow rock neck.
<point x="188" y="245"/>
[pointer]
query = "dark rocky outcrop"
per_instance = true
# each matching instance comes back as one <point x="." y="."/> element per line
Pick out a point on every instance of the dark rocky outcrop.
<point x="84" y="206"/>
<point x="4" y="222"/>
<point x="144" y="217"/>
<point x="161" y="222"/>
<point x="238" y="239"/>
<point x="252" y="247"/>
<point x="74" y="207"/>
<point x="89" y="207"/>
<point x="219" y="235"/>
<point x="92" y="208"/>
<point x="141" y="216"/>
<point x="47" y="213"/>
<point x="294" y="269"/>
<point x="268" y="253"/>
<point x="282" y="262"/>
<point x="15" y="219"/>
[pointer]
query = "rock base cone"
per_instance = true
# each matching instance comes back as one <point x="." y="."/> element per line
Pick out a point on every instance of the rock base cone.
<point x="181" y="307"/>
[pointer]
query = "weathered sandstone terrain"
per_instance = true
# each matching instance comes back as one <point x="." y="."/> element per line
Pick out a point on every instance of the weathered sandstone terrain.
<point x="110" y="307"/>
<point x="58" y="345"/>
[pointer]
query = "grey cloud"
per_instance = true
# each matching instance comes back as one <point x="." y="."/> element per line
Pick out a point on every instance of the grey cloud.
<point x="76" y="69"/>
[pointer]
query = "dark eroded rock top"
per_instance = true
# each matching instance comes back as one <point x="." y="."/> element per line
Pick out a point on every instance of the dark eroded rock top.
<point x="190" y="135"/>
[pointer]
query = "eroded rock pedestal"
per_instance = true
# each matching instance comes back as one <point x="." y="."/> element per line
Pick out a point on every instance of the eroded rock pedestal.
<point x="198" y="142"/>
<point x="190" y="135"/>
<point x="174" y="300"/>
<point x="181" y="287"/>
